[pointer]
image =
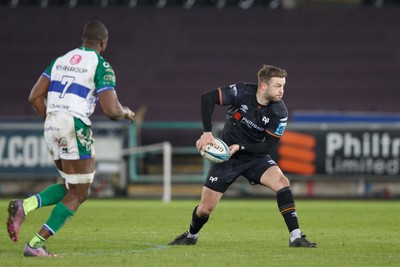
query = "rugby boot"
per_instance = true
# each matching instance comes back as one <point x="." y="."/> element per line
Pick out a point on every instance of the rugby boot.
<point x="302" y="242"/>
<point x="38" y="252"/>
<point x="183" y="239"/>
<point x="16" y="216"/>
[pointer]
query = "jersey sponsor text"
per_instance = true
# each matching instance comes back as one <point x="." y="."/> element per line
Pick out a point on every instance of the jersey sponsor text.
<point x="71" y="69"/>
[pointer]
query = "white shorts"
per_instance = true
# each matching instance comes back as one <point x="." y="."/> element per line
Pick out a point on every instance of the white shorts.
<point x="68" y="137"/>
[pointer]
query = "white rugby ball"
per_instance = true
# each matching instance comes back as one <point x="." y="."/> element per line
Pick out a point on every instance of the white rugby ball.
<point x="216" y="154"/>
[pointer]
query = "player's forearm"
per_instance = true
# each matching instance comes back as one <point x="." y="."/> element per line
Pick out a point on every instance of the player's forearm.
<point x="116" y="113"/>
<point x="39" y="106"/>
<point x="207" y="104"/>
<point x="38" y="95"/>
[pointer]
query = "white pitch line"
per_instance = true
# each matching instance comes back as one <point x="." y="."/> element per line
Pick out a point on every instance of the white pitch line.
<point x="116" y="251"/>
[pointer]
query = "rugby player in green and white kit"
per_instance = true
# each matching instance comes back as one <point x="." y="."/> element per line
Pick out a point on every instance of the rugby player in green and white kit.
<point x="65" y="96"/>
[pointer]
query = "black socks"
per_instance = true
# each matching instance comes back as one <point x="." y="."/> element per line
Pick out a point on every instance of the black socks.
<point x="287" y="208"/>
<point x="197" y="222"/>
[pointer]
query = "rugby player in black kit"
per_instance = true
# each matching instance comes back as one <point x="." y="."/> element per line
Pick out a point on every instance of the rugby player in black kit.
<point x="256" y="121"/>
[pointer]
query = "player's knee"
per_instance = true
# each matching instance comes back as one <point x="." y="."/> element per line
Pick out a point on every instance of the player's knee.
<point x="83" y="193"/>
<point x="83" y="196"/>
<point x="79" y="185"/>
<point x="79" y="192"/>
<point x="282" y="182"/>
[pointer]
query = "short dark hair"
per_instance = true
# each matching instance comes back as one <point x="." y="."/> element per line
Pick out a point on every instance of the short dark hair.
<point x="94" y="31"/>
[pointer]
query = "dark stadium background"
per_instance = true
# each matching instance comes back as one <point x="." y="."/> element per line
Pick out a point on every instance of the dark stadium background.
<point x="339" y="57"/>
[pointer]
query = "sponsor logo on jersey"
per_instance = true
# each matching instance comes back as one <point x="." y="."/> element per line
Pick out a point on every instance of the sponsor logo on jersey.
<point x="62" y="142"/>
<point x="59" y="106"/>
<point x="70" y="69"/>
<point x="265" y="120"/>
<point x="251" y="124"/>
<point x="75" y="59"/>
<point x="51" y="128"/>
<point x="109" y="78"/>
<point x="281" y="126"/>
<point x="233" y="87"/>
<point x="244" y="108"/>
<point x="237" y="115"/>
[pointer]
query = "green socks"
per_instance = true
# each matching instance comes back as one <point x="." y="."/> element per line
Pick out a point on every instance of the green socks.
<point x="52" y="195"/>
<point x="49" y="196"/>
<point x="58" y="217"/>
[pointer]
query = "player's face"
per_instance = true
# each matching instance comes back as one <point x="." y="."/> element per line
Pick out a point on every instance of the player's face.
<point x="274" y="89"/>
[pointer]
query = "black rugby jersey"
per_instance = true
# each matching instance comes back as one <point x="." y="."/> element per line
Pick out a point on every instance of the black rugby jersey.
<point x="247" y="122"/>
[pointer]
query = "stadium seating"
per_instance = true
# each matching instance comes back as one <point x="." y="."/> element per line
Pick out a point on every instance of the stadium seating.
<point x="335" y="62"/>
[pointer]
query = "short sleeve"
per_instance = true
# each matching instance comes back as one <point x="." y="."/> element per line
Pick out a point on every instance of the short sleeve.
<point x="105" y="77"/>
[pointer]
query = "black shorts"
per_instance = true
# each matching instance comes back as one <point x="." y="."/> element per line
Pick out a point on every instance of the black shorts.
<point x="222" y="175"/>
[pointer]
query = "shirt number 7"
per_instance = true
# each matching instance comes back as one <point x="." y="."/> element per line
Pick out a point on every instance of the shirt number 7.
<point x="66" y="81"/>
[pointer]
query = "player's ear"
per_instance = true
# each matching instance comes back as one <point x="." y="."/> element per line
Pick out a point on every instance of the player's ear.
<point x="103" y="44"/>
<point x="264" y="85"/>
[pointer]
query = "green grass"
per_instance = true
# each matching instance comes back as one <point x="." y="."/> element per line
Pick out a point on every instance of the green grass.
<point x="239" y="233"/>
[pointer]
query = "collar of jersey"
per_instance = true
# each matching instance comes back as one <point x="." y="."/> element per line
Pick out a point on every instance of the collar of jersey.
<point x="87" y="49"/>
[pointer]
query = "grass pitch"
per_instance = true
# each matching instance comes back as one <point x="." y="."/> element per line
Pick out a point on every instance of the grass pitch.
<point x="239" y="233"/>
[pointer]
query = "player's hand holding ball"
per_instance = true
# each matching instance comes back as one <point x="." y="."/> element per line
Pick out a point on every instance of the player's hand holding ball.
<point x="213" y="149"/>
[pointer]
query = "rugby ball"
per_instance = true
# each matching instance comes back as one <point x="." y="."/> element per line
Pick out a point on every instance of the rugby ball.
<point x="216" y="154"/>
